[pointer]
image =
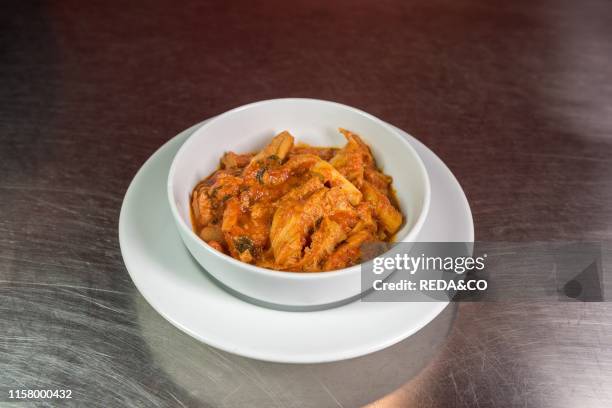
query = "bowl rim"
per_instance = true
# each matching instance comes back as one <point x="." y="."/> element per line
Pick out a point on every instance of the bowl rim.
<point x="409" y="236"/>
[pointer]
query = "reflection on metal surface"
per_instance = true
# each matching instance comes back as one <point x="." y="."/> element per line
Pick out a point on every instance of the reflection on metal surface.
<point x="218" y="378"/>
<point x="514" y="97"/>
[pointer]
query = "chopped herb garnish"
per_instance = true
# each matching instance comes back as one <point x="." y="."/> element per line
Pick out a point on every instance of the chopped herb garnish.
<point x="214" y="191"/>
<point x="243" y="244"/>
<point x="274" y="157"/>
<point x="260" y="173"/>
<point x="226" y="197"/>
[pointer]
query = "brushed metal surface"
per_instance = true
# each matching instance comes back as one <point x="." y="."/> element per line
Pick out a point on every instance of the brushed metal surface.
<point x="516" y="98"/>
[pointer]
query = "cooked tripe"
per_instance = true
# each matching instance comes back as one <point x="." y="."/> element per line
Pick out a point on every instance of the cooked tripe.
<point x="296" y="207"/>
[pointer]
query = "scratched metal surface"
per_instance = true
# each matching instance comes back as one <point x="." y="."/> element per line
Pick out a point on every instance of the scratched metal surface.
<point x="516" y="98"/>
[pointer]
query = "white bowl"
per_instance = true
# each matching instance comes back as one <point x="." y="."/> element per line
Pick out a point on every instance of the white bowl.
<point x="249" y="128"/>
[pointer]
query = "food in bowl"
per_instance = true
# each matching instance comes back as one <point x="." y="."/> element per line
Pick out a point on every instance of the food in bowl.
<point x="295" y="207"/>
<point x="250" y="127"/>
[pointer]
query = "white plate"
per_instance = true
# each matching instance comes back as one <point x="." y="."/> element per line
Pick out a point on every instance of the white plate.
<point x="182" y="292"/>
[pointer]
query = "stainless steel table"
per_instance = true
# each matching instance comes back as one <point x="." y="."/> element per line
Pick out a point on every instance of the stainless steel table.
<point x="515" y="98"/>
